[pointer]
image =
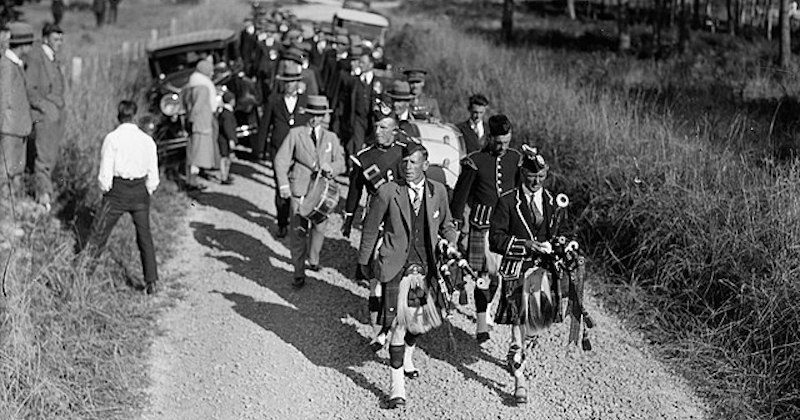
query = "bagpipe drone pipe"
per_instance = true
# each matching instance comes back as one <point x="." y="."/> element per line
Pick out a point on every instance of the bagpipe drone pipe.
<point x="554" y="287"/>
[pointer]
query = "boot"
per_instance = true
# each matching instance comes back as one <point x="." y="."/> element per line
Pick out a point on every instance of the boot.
<point x="397" y="393"/>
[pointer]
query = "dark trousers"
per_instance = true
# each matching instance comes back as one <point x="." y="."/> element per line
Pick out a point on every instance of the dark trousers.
<point x="47" y="142"/>
<point x="128" y="196"/>
<point x="283" y="206"/>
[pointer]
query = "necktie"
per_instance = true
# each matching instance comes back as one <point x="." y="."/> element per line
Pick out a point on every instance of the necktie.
<point x="537" y="214"/>
<point x="314" y="136"/>
<point x="417" y="202"/>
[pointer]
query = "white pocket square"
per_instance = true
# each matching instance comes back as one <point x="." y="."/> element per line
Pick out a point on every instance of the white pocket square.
<point x="436" y="214"/>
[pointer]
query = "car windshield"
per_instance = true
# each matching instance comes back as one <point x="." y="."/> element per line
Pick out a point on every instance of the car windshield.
<point x="370" y="32"/>
<point x="174" y="63"/>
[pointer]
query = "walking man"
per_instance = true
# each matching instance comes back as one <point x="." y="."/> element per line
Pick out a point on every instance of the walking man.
<point x="281" y="114"/>
<point x="45" y="82"/>
<point x="308" y="152"/>
<point x="423" y="106"/>
<point x="485" y="176"/>
<point x="521" y="227"/>
<point x="128" y="177"/>
<point x="474" y="129"/>
<point x="15" y="123"/>
<point x="413" y="211"/>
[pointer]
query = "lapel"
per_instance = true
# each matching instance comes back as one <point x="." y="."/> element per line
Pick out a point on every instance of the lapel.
<point x="547" y="209"/>
<point x="401" y="197"/>
<point x="430" y="208"/>
<point x="524" y="212"/>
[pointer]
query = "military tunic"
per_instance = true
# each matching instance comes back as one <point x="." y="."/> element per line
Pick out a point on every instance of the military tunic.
<point x="372" y="167"/>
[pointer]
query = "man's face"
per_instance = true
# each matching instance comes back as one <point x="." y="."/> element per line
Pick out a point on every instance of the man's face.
<point x="314" y="120"/>
<point x="291" y="86"/>
<point x="384" y="131"/>
<point x="415" y="166"/>
<point x="54" y="40"/>
<point x="399" y="107"/>
<point x="365" y="62"/>
<point x="500" y="143"/>
<point x="533" y="180"/>
<point x="476" y="112"/>
<point x="416" y="86"/>
<point x="24" y="50"/>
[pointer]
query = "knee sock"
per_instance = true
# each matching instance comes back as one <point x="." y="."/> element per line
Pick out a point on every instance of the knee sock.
<point x="482" y="300"/>
<point x="398" y="384"/>
<point x="396" y="355"/>
<point x="374" y="305"/>
<point x="411" y="344"/>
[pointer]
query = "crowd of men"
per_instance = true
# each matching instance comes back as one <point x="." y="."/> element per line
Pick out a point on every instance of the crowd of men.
<point x="323" y="112"/>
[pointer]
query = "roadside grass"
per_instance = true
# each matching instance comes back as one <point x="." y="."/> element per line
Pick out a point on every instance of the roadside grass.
<point x="698" y="229"/>
<point x="74" y="333"/>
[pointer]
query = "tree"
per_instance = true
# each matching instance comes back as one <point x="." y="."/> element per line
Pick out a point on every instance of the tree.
<point x="786" y="36"/>
<point x="508" y="19"/>
<point x="623" y="26"/>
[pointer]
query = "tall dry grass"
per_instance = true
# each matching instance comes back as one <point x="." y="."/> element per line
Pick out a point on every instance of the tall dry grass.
<point x="74" y="333"/>
<point x="702" y="240"/>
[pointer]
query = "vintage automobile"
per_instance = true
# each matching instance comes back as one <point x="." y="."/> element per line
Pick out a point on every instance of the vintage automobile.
<point x="172" y="60"/>
<point x="370" y="26"/>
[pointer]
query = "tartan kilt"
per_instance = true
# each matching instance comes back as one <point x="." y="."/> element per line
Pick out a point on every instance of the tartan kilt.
<point x="476" y="248"/>
<point x="509" y="308"/>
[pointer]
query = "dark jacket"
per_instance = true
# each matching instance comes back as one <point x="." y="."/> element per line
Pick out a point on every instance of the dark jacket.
<point x="277" y="120"/>
<point x="484" y="177"/>
<point x="471" y="140"/>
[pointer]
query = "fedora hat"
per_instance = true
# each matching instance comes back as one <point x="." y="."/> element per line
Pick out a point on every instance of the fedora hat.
<point x="400" y="91"/>
<point x="290" y="74"/>
<point x="21" y="33"/>
<point x="316" y="105"/>
<point x="293" y="54"/>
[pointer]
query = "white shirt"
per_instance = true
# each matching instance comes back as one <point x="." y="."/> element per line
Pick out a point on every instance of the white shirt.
<point x="414" y="189"/>
<point x="14" y="58"/>
<point x="367" y="77"/>
<point x="291" y="102"/>
<point x="128" y="153"/>
<point x="405" y="116"/>
<point x="477" y="127"/>
<point x="537" y="198"/>
<point x="48" y="51"/>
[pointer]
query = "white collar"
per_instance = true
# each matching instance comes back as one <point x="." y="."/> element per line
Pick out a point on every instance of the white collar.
<point x="475" y="124"/>
<point x="48" y="51"/>
<point x="418" y="186"/>
<point x="228" y="107"/>
<point x="11" y="55"/>
<point x="528" y="193"/>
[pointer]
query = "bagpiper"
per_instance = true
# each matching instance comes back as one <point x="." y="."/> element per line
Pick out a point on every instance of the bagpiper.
<point x="485" y="176"/>
<point x="523" y="223"/>
<point x="372" y="167"/>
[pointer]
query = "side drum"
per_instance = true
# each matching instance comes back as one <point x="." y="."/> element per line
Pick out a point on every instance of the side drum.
<point x="320" y="201"/>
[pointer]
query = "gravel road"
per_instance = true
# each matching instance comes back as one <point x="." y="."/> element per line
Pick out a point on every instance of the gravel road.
<point x="242" y="344"/>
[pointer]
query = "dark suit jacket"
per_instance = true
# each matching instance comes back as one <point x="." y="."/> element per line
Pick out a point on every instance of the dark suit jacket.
<point x="276" y="118"/>
<point x="512" y="224"/>
<point x="471" y="140"/>
<point x="45" y="83"/>
<point x="392" y="208"/>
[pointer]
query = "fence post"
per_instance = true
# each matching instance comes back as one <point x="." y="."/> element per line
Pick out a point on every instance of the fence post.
<point x="126" y="50"/>
<point x="154" y="35"/>
<point x="173" y="26"/>
<point x="77" y="69"/>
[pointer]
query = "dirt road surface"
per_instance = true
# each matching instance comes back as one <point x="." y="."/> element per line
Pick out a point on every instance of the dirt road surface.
<point x="243" y="344"/>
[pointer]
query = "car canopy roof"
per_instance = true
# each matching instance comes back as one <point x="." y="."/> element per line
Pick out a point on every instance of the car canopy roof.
<point x="208" y="39"/>
<point x="367" y="18"/>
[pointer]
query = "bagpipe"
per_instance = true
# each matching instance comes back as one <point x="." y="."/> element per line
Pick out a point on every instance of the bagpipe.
<point x="554" y="286"/>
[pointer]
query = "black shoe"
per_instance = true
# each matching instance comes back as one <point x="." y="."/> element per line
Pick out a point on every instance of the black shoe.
<point x="375" y="346"/>
<point x="151" y="288"/>
<point x="412" y="374"/>
<point x="313" y="267"/>
<point x="282" y="232"/>
<point x="299" y="282"/>
<point x="226" y="182"/>
<point x="482" y="337"/>
<point x="195" y="187"/>
<point x="397" y="402"/>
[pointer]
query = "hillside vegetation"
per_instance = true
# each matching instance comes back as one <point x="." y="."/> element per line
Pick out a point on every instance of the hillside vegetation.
<point x="698" y="230"/>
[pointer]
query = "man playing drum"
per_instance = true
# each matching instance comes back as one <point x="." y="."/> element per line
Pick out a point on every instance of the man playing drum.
<point x="413" y="211"/>
<point x="309" y="152"/>
<point x="485" y="176"/>
<point x="521" y="227"/>
<point x="372" y="167"/>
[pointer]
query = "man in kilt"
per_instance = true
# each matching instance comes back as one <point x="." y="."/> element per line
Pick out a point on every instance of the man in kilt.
<point x="414" y="211"/>
<point x="485" y="176"/>
<point x="372" y="167"/>
<point x="521" y="228"/>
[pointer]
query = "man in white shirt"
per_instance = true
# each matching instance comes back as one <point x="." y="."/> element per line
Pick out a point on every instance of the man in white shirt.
<point x="128" y="177"/>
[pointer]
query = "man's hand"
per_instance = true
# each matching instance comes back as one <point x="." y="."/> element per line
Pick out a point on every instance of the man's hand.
<point x="347" y="226"/>
<point x="326" y="170"/>
<point x="285" y="192"/>
<point x="539" y="247"/>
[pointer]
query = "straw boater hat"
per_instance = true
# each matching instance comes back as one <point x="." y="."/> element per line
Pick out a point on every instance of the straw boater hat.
<point x="290" y="74"/>
<point x="400" y="91"/>
<point x="316" y="105"/>
<point x="21" y="34"/>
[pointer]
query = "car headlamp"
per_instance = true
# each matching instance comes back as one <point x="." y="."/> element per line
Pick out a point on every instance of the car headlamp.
<point x="170" y="104"/>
